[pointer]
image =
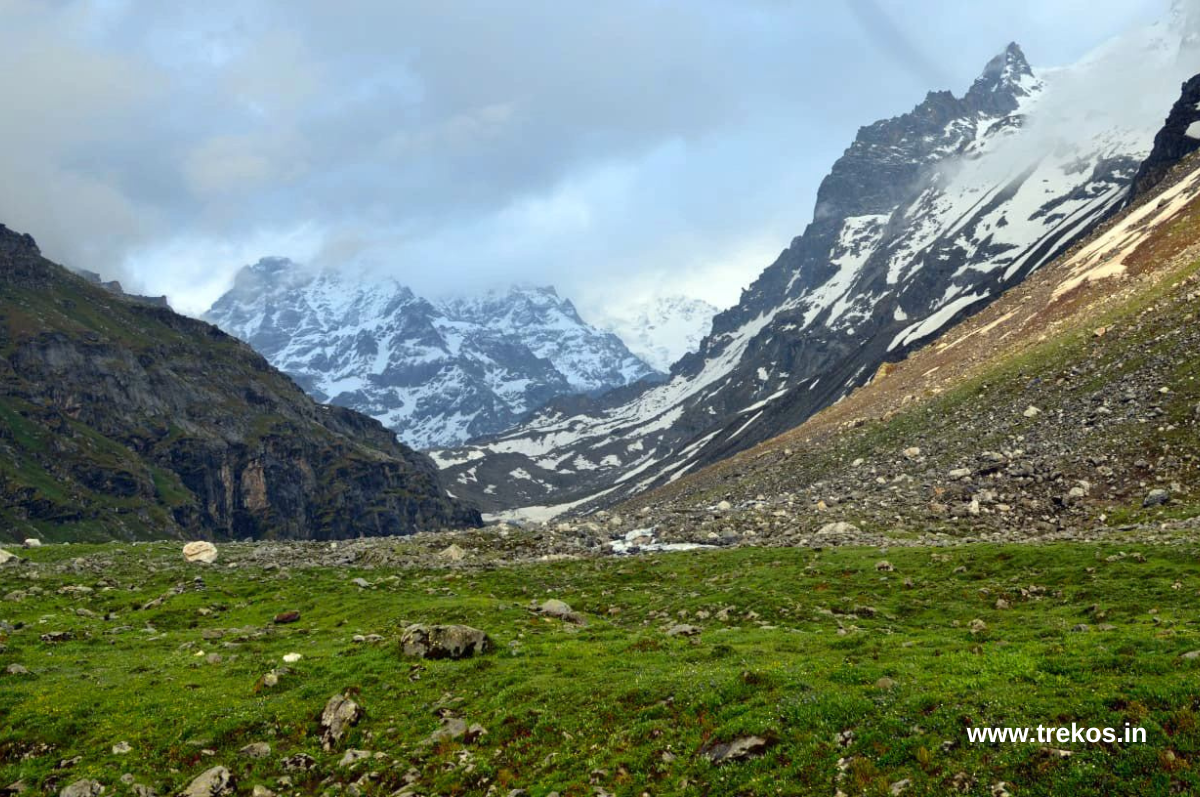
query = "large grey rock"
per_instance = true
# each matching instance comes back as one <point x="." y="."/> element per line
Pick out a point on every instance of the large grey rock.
<point x="340" y="714"/>
<point x="82" y="788"/>
<point x="1156" y="497"/>
<point x="210" y="783"/>
<point x="200" y="551"/>
<point x="736" y="750"/>
<point x="444" y="641"/>
<point x="560" y="610"/>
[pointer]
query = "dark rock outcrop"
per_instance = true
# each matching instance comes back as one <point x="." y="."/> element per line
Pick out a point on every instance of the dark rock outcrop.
<point x="1173" y="143"/>
<point x="123" y="419"/>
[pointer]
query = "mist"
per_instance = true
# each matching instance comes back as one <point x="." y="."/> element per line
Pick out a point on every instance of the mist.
<point x="666" y="148"/>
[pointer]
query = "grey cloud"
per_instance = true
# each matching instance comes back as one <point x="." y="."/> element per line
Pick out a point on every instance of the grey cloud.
<point x="458" y="144"/>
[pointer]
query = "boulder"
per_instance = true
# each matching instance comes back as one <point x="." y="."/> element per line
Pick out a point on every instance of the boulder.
<point x="210" y="783"/>
<point x="444" y="641"/>
<point x="453" y="553"/>
<point x="200" y="551"/>
<point x="560" y="610"/>
<point x="33" y="543"/>
<point x="6" y="557"/>
<point x="1156" y="497"/>
<point x="339" y="715"/>
<point x="736" y="750"/>
<point x="82" y="788"/>
<point x="683" y="629"/>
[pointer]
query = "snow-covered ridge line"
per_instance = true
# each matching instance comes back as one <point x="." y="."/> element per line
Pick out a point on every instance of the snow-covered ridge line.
<point x="438" y="373"/>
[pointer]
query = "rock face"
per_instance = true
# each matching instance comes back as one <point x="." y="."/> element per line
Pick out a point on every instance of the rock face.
<point x="127" y="420"/>
<point x="444" y="641"/>
<point x="436" y="373"/>
<point x="925" y="220"/>
<point x="1178" y="138"/>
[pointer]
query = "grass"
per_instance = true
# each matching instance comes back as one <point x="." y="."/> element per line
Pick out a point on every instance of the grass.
<point x="798" y="659"/>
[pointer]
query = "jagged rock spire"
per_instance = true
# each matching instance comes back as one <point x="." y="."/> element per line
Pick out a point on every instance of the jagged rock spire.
<point x="1005" y="79"/>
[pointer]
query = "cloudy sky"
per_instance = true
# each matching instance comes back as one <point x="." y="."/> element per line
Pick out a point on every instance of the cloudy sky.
<point x="616" y="149"/>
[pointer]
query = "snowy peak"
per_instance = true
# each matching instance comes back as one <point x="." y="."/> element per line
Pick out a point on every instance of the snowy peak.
<point x="436" y="373"/>
<point x="1005" y="80"/>
<point x="663" y="330"/>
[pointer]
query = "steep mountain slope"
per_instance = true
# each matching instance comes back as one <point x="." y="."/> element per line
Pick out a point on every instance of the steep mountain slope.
<point x="1071" y="404"/>
<point x="122" y="419"/>
<point x="926" y="219"/>
<point x="663" y="330"/>
<point x="437" y="374"/>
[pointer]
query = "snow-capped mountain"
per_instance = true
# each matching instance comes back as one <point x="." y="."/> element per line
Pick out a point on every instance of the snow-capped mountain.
<point x="662" y="330"/>
<point x="924" y="220"/>
<point x="436" y="373"/>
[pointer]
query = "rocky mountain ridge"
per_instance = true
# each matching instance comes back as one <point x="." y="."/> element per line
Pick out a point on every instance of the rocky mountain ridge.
<point x="123" y="419"/>
<point x="925" y="220"/>
<point x="436" y="373"/>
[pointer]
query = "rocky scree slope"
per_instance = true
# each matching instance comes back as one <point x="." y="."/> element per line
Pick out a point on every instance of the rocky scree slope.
<point x="437" y="373"/>
<point x="125" y="420"/>
<point x="1068" y="409"/>
<point x="926" y="219"/>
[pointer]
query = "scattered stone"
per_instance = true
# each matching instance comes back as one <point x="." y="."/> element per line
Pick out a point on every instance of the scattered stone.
<point x="56" y="637"/>
<point x="451" y="728"/>
<point x="1031" y="412"/>
<point x="1081" y="628"/>
<point x="683" y="629"/>
<point x="839" y="527"/>
<point x="959" y="473"/>
<point x="262" y="791"/>
<point x="453" y="553"/>
<point x="121" y="748"/>
<point x="201" y="551"/>
<point x="33" y="542"/>
<point x="340" y="714"/>
<point x="1156" y="497"/>
<point x="6" y="557"/>
<point x="736" y="750"/>
<point x="444" y="641"/>
<point x="361" y="583"/>
<point x="256" y="750"/>
<point x="16" y="669"/>
<point x="211" y="783"/>
<point x="291" y="658"/>
<point x="83" y="788"/>
<point x="724" y="506"/>
<point x="300" y="762"/>
<point x="1001" y="604"/>
<point x="884" y="566"/>
<point x="283" y="618"/>
<point x="1191" y="655"/>
<point x="352" y="757"/>
<point x="560" y="609"/>
<point x="978" y="626"/>
<point x="899" y="786"/>
<point x="912" y="452"/>
<point x="886" y="684"/>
